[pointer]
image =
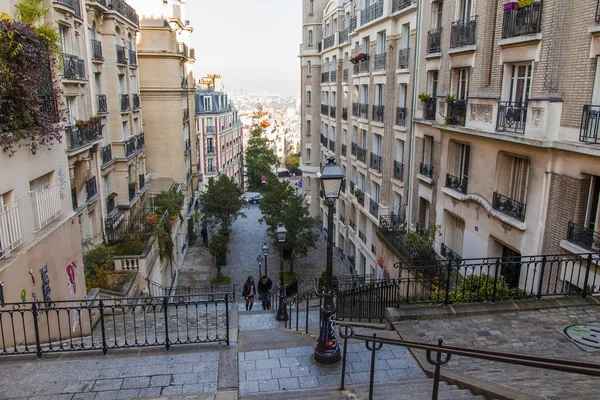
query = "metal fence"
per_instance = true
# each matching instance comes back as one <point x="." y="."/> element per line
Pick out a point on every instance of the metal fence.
<point x="156" y="289"/>
<point x="88" y="325"/>
<point x="367" y="302"/>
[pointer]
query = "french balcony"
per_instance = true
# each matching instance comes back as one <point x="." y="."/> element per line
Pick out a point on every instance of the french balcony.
<point x="363" y="111"/>
<point x="360" y="196"/>
<point x="125" y="10"/>
<point x="371" y="13"/>
<point x="583" y="237"/>
<point x="377" y="113"/>
<point x="97" y="50"/>
<point x="345" y="113"/>
<point x="329" y="42"/>
<point x="323" y="140"/>
<point x="363" y="66"/>
<point x="80" y="137"/>
<point x="142" y="180"/>
<point x="183" y="49"/>
<point x="449" y="254"/>
<point x="133" y="144"/>
<point x="136" y="101"/>
<point x="324" y="109"/>
<point x="72" y="4"/>
<point x="401" y="116"/>
<point x="132" y="58"/>
<point x="429" y="107"/>
<point x="344" y="149"/>
<point x="456" y="183"/>
<point x="456" y="112"/>
<point x="522" y="21"/>
<point x="209" y="130"/>
<point x="211" y="169"/>
<point x="376" y="161"/>
<point x="333" y="76"/>
<point x="426" y="170"/>
<point x="324" y="77"/>
<point x="121" y="55"/>
<point x="374" y="208"/>
<point x="345" y="35"/>
<point x="508" y="206"/>
<point x="352" y="24"/>
<point x="434" y="41"/>
<point x="380" y="62"/>
<point x="124" y="102"/>
<point x="102" y="104"/>
<point x="590" y="121"/>
<point x="345" y="75"/>
<point x="332" y="145"/>
<point x="353" y="149"/>
<point x="462" y="32"/>
<point x="404" y="58"/>
<point x="106" y="154"/>
<point x="131" y="189"/>
<point x="211" y="150"/>
<point x="355" y="69"/>
<point x="91" y="188"/>
<point x="73" y="67"/>
<point x="398" y="5"/>
<point x="511" y="117"/>
<point x="398" y="170"/>
<point x="332" y="110"/>
<point x="355" y="109"/>
<point x="361" y="154"/>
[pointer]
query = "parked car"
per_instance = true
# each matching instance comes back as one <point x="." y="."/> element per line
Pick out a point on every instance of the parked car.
<point x="255" y="199"/>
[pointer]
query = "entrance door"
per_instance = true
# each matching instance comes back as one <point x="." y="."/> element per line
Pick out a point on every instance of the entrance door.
<point x="511" y="266"/>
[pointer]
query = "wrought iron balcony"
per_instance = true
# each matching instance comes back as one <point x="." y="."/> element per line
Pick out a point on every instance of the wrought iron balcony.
<point x="362" y="236"/>
<point x="398" y="170"/>
<point x="121" y="55"/>
<point x="511" y="117"/>
<point x="102" y="104"/>
<point x="456" y="183"/>
<point x="355" y="109"/>
<point x="110" y="204"/>
<point x="583" y="237"/>
<point x="360" y="196"/>
<point x="74" y="201"/>
<point x="333" y="76"/>
<point x="353" y="149"/>
<point x="331" y="144"/>
<point x="72" y="4"/>
<point x="355" y="69"/>
<point x="363" y="66"/>
<point x="133" y="144"/>
<point x="374" y="208"/>
<point x="363" y="111"/>
<point x="183" y="49"/>
<point x="345" y="113"/>
<point x="590" y="121"/>
<point x="91" y="188"/>
<point x="324" y="109"/>
<point x="434" y="40"/>
<point x="522" y="21"/>
<point x="449" y="254"/>
<point x="361" y="154"/>
<point x="209" y="129"/>
<point x="124" y="102"/>
<point x="352" y="24"/>
<point x="325" y="77"/>
<point x="106" y="154"/>
<point x="462" y="32"/>
<point x="508" y="206"/>
<point x="380" y="62"/>
<point x="377" y="113"/>
<point x="401" y="116"/>
<point x="132" y="58"/>
<point x="97" y="50"/>
<point x="131" y="188"/>
<point x="125" y="10"/>
<point x="345" y="75"/>
<point x="376" y="161"/>
<point x="398" y="5"/>
<point x="80" y="137"/>
<point x="323" y="140"/>
<point x="142" y="180"/>
<point x="371" y="12"/>
<point x="332" y="110"/>
<point x="345" y="35"/>
<point x="328" y="42"/>
<point x="426" y="170"/>
<point x="456" y="112"/>
<point x="404" y="58"/>
<point x="73" y="67"/>
<point x="136" y="100"/>
<point x="429" y="107"/>
<point x="344" y="148"/>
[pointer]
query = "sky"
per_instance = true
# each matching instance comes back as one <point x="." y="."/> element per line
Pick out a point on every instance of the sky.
<point x="253" y="44"/>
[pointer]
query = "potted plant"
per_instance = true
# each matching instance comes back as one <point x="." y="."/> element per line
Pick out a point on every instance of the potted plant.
<point x="424" y="97"/>
<point x="80" y="124"/>
<point x="95" y="120"/>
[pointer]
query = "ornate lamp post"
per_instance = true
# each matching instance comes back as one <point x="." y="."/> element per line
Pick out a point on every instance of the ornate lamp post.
<point x="328" y="350"/>
<point x="265" y="250"/>
<point x="259" y="261"/>
<point x="282" y="310"/>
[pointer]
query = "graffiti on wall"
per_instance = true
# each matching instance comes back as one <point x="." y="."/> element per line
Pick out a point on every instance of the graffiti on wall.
<point x="72" y="289"/>
<point x="46" y="291"/>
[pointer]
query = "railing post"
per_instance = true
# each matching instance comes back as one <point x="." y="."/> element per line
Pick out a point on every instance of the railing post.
<point x="542" y="270"/>
<point x="307" y="305"/>
<point x="345" y="336"/>
<point x="103" y="327"/>
<point x="38" y="346"/>
<point x="166" y="313"/>
<point x="376" y="346"/>
<point x="298" y="298"/>
<point x="438" y="366"/>
<point x="447" y="295"/>
<point x="495" y="280"/>
<point x="227" y="319"/>
<point x="587" y="275"/>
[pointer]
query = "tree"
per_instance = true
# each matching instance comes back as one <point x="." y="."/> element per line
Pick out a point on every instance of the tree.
<point x="293" y="162"/>
<point x="222" y="202"/>
<point x="281" y="204"/>
<point x="260" y="159"/>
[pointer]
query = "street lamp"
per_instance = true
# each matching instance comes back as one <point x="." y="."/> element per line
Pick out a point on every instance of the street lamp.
<point x="282" y="315"/>
<point x="265" y="250"/>
<point x="328" y="350"/>
<point x="259" y="261"/>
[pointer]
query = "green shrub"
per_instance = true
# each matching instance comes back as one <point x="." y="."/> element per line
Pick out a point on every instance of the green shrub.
<point x="221" y="281"/>
<point x="479" y="288"/>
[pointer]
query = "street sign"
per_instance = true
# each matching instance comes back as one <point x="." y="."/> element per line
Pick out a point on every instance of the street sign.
<point x="299" y="184"/>
<point x="263" y="179"/>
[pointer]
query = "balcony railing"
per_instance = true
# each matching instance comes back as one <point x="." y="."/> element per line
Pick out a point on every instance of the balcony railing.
<point x="462" y="32"/>
<point x="404" y="58"/>
<point x="362" y="236"/>
<point x="355" y="109"/>
<point x="583" y="237"/>
<point x="328" y="42"/>
<point x="134" y="144"/>
<point x="372" y="12"/>
<point x="97" y="50"/>
<point x="456" y="112"/>
<point x="398" y="170"/>
<point x="183" y="49"/>
<point x="10" y="228"/>
<point x="355" y="69"/>
<point x="332" y="110"/>
<point x="353" y="149"/>
<point x="124" y="102"/>
<point x="142" y="180"/>
<point x="401" y="116"/>
<point x="345" y="75"/>
<point x="345" y="113"/>
<point x="209" y="129"/>
<point x="102" y="104"/>
<point x="46" y="204"/>
<point x="211" y="169"/>
<point x="352" y="24"/>
<point x="522" y="21"/>
<point x="125" y="10"/>
<point x="74" y="201"/>
<point x="449" y="254"/>
<point x="377" y="113"/>
<point x="398" y="5"/>
<point x="210" y="150"/>
<point x="110" y="204"/>
<point x="360" y="196"/>
<point x="374" y="208"/>
<point x="345" y="35"/>
<point x="426" y="170"/>
<point x="106" y="154"/>
<point x="73" y="4"/>
<point x="323" y="140"/>
<point x="344" y="149"/>
<point x="363" y="111"/>
<point x="333" y="76"/>
<point x="91" y="188"/>
<point x="363" y="66"/>
<point x="136" y="100"/>
<point x="434" y="40"/>
<point x="324" y="109"/>
<point x="131" y="189"/>
<point x="331" y="144"/>
<point x="121" y="55"/>
<point x="73" y="67"/>
<point x="429" y="107"/>
<point x="376" y="161"/>
<point x="361" y="154"/>
<point x="456" y="183"/>
<point x="324" y="77"/>
<point x="508" y="206"/>
<point x="80" y="137"/>
<point x="511" y="117"/>
<point x="132" y="58"/>
<point x="380" y="62"/>
<point x="590" y="122"/>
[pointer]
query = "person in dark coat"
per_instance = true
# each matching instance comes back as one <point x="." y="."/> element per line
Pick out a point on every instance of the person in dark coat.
<point x="249" y="292"/>
<point x="264" y="289"/>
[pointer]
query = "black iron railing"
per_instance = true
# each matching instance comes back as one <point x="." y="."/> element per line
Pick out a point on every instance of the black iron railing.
<point x="377" y="114"/>
<point x="511" y="117"/>
<point x="361" y="154"/>
<point x="456" y="112"/>
<point x="583" y="237"/>
<point x="345" y="75"/>
<point x="102" y="103"/>
<point x="345" y="113"/>
<point x="328" y="42"/>
<point x="352" y="24"/>
<point x="142" y="180"/>
<point x="73" y="4"/>
<point x="324" y="77"/>
<point x="183" y="49"/>
<point x="355" y="109"/>
<point x="344" y="148"/>
<point x="156" y="289"/>
<point x="398" y="5"/>
<point x="106" y="154"/>
<point x="371" y="12"/>
<point x="136" y="100"/>
<point x="97" y="50"/>
<point x="426" y="170"/>
<point x="91" y="188"/>
<point x="324" y="109"/>
<point x="110" y="204"/>
<point x="590" y="123"/>
<point x="353" y="149"/>
<point x="102" y="325"/>
<point x="363" y="66"/>
<point x="355" y="69"/>
<point x="74" y="201"/>
<point x="132" y="58"/>
<point x="434" y="40"/>
<point x="331" y="145"/>
<point x="522" y="21"/>
<point x="323" y="140"/>
<point x="456" y="183"/>
<point x="404" y="58"/>
<point x="332" y="110"/>
<point x="344" y="35"/>
<point x="121" y="55"/>
<point x="429" y="108"/>
<point x="333" y="76"/>
<point x="374" y="208"/>
<point x="367" y="302"/>
<point x="401" y="116"/>
<point x="360" y="196"/>
<point x="79" y="137"/>
<point x="380" y="61"/>
<point x="398" y="170"/>
<point x="448" y="253"/>
<point x="125" y="10"/>
<point x="132" y="190"/>
<point x="376" y="161"/>
<point x="361" y="235"/>
<point x="363" y="111"/>
<point x="124" y="102"/>
<point x="462" y="32"/>
<point x="508" y="206"/>
<point x="73" y="67"/>
<point x="211" y="150"/>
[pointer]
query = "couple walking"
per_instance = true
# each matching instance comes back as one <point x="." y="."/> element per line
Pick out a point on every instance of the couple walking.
<point x="264" y="292"/>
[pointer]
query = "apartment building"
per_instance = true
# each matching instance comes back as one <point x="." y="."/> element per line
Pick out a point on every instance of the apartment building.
<point x="219" y="132"/>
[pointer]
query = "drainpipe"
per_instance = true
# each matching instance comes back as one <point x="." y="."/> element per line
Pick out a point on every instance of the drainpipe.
<point x="415" y="81"/>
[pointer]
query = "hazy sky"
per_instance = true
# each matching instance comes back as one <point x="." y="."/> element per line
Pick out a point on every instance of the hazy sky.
<point x="253" y="44"/>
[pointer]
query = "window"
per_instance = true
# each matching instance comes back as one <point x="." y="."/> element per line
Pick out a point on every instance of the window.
<point x="424" y="206"/>
<point x="454" y="232"/>
<point x="310" y="38"/>
<point x="513" y="177"/>
<point x="307" y="155"/>
<point x="397" y="203"/>
<point x="364" y="94"/>
<point x="45" y="196"/>
<point x="432" y="83"/>
<point x="592" y="218"/>
<point x="436" y="14"/>
<point x="379" y="89"/>
<point x="381" y="42"/>
<point x="64" y="32"/>
<point x="427" y="150"/>
<point x="366" y="45"/>
<point x="311" y="8"/>
<point x="308" y="98"/>
<point x="520" y="84"/>
<point x="71" y="109"/>
<point x="308" y="127"/>
<point x="207" y="103"/>
<point x="308" y="68"/>
<point x="344" y="134"/>
<point x="400" y="150"/>
<point x="375" y="190"/>
<point x="405" y="36"/>
<point x="125" y="129"/>
<point x="308" y="182"/>
<point x="460" y="83"/>
<point x="377" y="144"/>
<point x="10" y="228"/>
<point x="402" y="92"/>
<point x="465" y="7"/>
<point x="459" y="155"/>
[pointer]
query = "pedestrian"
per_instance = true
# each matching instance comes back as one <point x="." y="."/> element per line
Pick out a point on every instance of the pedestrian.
<point x="249" y="292"/>
<point x="204" y="235"/>
<point x="264" y="290"/>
